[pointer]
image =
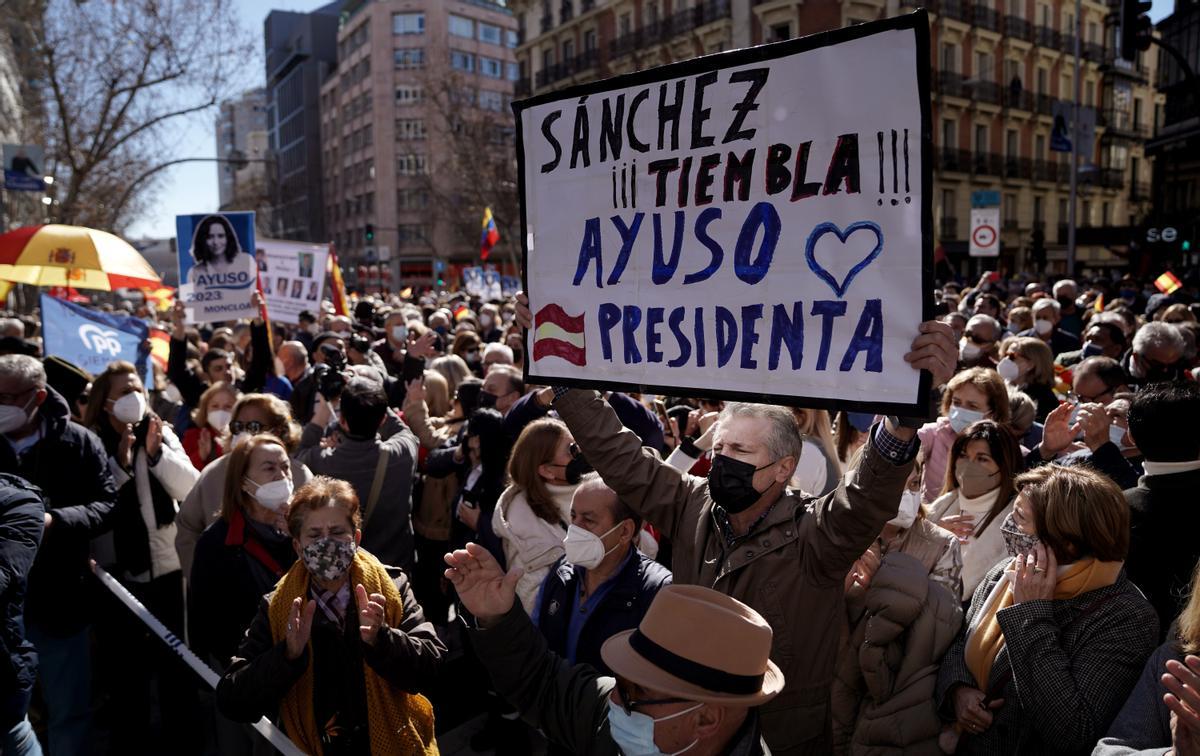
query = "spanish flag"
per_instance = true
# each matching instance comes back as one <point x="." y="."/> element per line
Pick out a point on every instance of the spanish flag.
<point x="557" y="334"/>
<point x="337" y="288"/>
<point x="490" y="237"/>
<point x="160" y="347"/>
<point x="1168" y="283"/>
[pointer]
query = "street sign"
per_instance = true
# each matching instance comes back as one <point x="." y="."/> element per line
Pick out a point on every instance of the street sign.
<point x="985" y="236"/>
<point x="985" y="198"/>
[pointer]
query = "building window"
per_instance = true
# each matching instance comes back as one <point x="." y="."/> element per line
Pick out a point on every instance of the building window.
<point x="1010" y="211"/>
<point x="410" y="128"/>
<point x="489" y="100"/>
<point x="1086" y="216"/>
<point x="1012" y="145"/>
<point x="780" y="32"/>
<point x="1039" y="146"/>
<point x="1106" y="214"/>
<point x="412" y="199"/>
<point x="511" y="38"/>
<point x="625" y="23"/>
<point x="983" y="66"/>
<point x="491" y="68"/>
<point x="413" y="233"/>
<point x="409" y="94"/>
<point x="514" y="71"/>
<point x="1039" y="210"/>
<point x="462" y="27"/>
<point x="589" y="40"/>
<point x="412" y="165"/>
<point x="981" y="138"/>
<point x="408" y="23"/>
<point x="568" y="50"/>
<point x="949" y="57"/>
<point x="409" y="58"/>
<point x="949" y="135"/>
<point x="462" y="61"/>
<point x="1063" y="212"/>
<point x="490" y="34"/>
<point x="1043" y="81"/>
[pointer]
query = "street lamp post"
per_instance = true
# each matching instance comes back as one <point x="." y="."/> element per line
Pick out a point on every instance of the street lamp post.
<point x="241" y="160"/>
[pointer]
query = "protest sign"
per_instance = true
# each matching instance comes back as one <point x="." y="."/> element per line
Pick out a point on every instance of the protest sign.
<point x="472" y="281"/>
<point x="293" y="277"/>
<point x="24" y="168"/>
<point x="753" y="224"/>
<point x="493" y="291"/>
<point x="92" y="339"/>
<point x="216" y="265"/>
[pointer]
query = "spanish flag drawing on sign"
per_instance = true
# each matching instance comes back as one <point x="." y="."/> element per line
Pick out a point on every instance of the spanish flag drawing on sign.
<point x="557" y="334"/>
<point x="1168" y="283"/>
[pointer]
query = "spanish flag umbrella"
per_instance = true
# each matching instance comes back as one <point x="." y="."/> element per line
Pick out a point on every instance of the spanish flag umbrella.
<point x="56" y="255"/>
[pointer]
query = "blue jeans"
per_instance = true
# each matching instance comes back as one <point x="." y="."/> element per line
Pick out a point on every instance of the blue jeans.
<point x="20" y="741"/>
<point x="65" y="672"/>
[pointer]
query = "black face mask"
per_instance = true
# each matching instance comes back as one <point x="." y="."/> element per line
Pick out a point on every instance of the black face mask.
<point x="574" y="470"/>
<point x="518" y="355"/>
<point x="486" y="400"/>
<point x="731" y="483"/>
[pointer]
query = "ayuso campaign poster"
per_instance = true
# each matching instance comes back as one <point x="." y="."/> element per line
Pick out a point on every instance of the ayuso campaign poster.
<point x="92" y="339"/>
<point x="753" y="224"/>
<point x="217" y="272"/>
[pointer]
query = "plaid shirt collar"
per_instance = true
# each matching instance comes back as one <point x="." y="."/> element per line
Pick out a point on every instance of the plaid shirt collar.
<point x="721" y="518"/>
<point x="333" y="604"/>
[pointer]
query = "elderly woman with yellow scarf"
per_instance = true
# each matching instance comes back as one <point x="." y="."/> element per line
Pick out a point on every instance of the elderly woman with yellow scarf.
<point x="339" y="651"/>
<point x="1056" y="635"/>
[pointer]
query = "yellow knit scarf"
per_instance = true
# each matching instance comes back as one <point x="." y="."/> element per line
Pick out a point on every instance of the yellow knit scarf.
<point x="399" y="722"/>
<point x="984" y="644"/>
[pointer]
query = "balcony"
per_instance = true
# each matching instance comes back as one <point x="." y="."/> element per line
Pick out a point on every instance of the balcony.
<point x="1045" y="104"/>
<point x="1018" y="168"/>
<point x="672" y="26"/>
<point x="1120" y="123"/>
<point x="1066" y="43"/>
<point x="1093" y="52"/>
<point x="1045" y="171"/>
<point x="566" y="11"/>
<point x="952" y="84"/>
<point x="1112" y="178"/>
<point x="955" y="9"/>
<point x="1139" y="191"/>
<point x="1113" y="63"/>
<point x="951" y="159"/>
<point x="585" y="60"/>
<point x="948" y="228"/>
<point x="1018" y="28"/>
<point x="987" y="164"/>
<point x="986" y="91"/>
<point x="586" y="5"/>
<point x="1046" y="37"/>
<point x="1019" y="99"/>
<point x="986" y="18"/>
<point x="1009" y="224"/>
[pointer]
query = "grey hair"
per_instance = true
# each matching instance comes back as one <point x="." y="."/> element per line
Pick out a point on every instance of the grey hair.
<point x="24" y="368"/>
<point x="1045" y="303"/>
<point x="782" y="440"/>
<point x="1064" y="283"/>
<point x="13" y="323"/>
<point x="997" y="329"/>
<point x="503" y="350"/>
<point x="368" y="373"/>
<point x="1157" y="335"/>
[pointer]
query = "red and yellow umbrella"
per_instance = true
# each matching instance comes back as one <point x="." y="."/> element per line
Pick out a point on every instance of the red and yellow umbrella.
<point x="54" y="255"/>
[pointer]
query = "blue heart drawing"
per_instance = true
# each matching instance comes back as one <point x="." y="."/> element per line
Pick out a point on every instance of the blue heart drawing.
<point x="842" y="235"/>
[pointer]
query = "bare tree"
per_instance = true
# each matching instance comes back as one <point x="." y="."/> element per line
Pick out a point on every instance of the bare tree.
<point x="479" y="168"/>
<point x="116" y="77"/>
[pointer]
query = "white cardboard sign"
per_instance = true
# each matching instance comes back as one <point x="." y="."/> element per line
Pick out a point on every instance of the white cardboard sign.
<point x="753" y="224"/>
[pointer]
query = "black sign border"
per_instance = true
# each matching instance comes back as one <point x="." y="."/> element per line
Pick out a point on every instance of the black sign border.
<point x="918" y="23"/>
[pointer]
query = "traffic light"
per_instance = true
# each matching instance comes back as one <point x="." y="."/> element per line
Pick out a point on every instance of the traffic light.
<point x="1134" y="28"/>
<point x="369" y="232"/>
<point x="1186" y="246"/>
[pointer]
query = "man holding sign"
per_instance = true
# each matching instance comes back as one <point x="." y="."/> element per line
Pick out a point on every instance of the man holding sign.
<point x="690" y="226"/>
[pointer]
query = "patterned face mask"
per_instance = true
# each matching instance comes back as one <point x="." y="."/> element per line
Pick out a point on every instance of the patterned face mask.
<point x="328" y="558"/>
<point x="1016" y="542"/>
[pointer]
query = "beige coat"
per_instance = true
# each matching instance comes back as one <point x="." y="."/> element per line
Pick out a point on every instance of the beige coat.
<point x="791" y="569"/>
<point x="530" y="542"/>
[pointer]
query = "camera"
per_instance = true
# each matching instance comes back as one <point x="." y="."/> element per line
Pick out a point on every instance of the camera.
<point x="330" y="375"/>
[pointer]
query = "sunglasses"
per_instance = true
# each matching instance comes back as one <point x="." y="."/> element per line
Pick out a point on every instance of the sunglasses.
<point x="629" y="705"/>
<point x="251" y="426"/>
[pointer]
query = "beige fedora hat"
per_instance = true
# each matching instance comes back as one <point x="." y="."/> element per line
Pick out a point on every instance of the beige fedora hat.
<point x="701" y="645"/>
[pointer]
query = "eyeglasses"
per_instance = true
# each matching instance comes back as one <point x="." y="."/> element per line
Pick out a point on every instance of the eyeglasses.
<point x="629" y="705"/>
<point x="251" y="426"/>
<point x="16" y="398"/>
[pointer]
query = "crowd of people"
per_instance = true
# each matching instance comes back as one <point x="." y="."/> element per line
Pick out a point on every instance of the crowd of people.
<point x="374" y="530"/>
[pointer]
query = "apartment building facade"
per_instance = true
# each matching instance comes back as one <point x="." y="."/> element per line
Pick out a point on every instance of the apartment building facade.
<point x="407" y="70"/>
<point x="241" y="129"/>
<point x="1002" y="70"/>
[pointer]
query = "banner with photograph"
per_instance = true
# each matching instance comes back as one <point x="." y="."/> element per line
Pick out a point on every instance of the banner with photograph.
<point x="24" y="168"/>
<point x="753" y="224"/>
<point x="217" y="271"/>
<point x="293" y="277"/>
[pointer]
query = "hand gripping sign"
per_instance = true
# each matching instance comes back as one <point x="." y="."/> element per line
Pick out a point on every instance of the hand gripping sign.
<point x="753" y="224"/>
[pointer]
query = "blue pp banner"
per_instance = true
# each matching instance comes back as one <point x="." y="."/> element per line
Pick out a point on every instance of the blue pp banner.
<point x="91" y="339"/>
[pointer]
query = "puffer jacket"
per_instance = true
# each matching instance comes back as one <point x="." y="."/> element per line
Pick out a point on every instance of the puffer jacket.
<point x="882" y="697"/>
<point x="531" y="543"/>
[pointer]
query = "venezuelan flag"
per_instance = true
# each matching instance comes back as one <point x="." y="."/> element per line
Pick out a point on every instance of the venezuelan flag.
<point x="490" y="236"/>
<point x="337" y="287"/>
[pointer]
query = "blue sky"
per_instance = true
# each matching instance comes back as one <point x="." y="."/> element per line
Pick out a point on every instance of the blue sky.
<point x="192" y="187"/>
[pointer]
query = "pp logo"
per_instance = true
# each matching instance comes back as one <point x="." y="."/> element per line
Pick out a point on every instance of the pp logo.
<point x="99" y="340"/>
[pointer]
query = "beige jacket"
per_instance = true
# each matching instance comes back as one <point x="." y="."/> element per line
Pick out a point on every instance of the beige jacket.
<point x="530" y="542"/>
<point x="791" y="569"/>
